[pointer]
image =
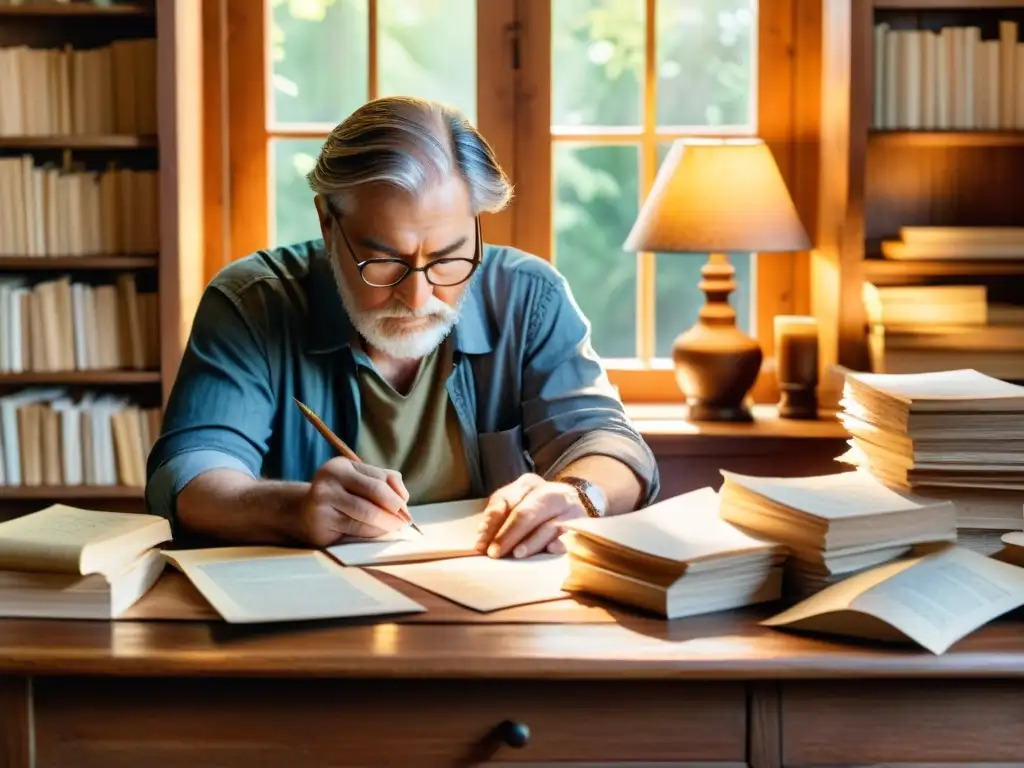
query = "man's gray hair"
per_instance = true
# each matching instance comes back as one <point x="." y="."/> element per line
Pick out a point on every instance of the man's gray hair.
<point x="408" y="143"/>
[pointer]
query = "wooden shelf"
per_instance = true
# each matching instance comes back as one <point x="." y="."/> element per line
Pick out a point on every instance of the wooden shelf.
<point x="112" y="141"/>
<point x="68" y="492"/>
<point x="104" y="378"/>
<point x="76" y="9"/>
<point x="945" y="5"/>
<point x="949" y="138"/>
<point x="883" y="268"/>
<point x="72" y="263"/>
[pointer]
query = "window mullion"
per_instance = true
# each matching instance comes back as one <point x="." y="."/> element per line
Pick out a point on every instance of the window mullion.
<point x="371" y="49"/>
<point x="645" y="331"/>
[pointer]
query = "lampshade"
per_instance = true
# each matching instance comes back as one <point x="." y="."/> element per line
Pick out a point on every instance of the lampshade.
<point x="718" y="196"/>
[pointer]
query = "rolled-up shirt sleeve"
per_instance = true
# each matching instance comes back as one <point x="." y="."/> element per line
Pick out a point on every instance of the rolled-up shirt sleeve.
<point x="220" y="411"/>
<point x="570" y="408"/>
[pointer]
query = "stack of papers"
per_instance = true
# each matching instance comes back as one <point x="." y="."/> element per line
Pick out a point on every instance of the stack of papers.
<point x="833" y="525"/>
<point x="952" y="435"/>
<point x="675" y="558"/>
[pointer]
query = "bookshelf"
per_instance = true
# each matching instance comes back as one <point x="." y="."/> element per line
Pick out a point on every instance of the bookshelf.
<point x="941" y="159"/>
<point x="102" y="263"/>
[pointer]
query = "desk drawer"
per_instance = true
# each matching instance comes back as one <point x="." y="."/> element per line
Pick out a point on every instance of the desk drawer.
<point x="850" y="723"/>
<point x="115" y="723"/>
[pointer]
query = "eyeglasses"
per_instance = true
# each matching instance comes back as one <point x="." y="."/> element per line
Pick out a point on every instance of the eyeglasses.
<point x="389" y="272"/>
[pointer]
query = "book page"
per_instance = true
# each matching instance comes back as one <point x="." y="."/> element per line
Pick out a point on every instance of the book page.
<point x="945" y="596"/>
<point x="830" y="497"/>
<point x="685" y="529"/>
<point x="486" y="584"/>
<point x="55" y="538"/>
<point x="448" y="530"/>
<point x="267" y="584"/>
<point x="934" y="600"/>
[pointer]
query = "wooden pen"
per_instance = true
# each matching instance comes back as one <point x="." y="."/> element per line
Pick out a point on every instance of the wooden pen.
<point x="339" y="445"/>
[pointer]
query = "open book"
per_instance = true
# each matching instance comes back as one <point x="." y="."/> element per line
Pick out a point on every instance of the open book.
<point x="449" y="529"/>
<point x="933" y="600"/>
<point x="267" y="584"/>
<point x="68" y="563"/>
<point x="63" y="539"/>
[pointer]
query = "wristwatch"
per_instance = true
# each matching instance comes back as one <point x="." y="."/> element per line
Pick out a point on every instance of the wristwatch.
<point x="591" y="496"/>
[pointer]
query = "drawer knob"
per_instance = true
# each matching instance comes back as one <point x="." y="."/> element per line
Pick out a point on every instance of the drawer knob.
<point x="514" y="733"/>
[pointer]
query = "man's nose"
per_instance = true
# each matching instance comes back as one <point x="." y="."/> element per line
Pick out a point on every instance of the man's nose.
<point x="415" y="291"/>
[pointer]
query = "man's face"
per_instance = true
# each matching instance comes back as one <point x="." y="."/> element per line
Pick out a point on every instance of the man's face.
<point x="410" y="319"/>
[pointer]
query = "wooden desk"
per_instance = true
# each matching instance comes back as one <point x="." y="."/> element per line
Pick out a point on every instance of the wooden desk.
<point x="715" y="690"/>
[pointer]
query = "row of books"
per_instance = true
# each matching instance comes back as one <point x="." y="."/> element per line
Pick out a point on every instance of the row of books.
<point x="921" y="328"/>
<point x="69" y="91"/>
<point x="51" y="211"/>
<point x="59" y="325"/>
<point x="48" y="438"/>
<point x="950" y="79"/>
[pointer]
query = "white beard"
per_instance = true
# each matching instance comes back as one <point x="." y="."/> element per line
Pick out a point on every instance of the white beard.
<point x="376" y="325"/>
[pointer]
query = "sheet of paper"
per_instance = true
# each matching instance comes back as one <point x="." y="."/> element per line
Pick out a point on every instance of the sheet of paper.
<point x="685" y="528"/>
<point x="449" y="530"/>
<point x="934" y="600"/>
<point x="268" y="584"/>
<point x="832" y="497"/>
<point x="964" y="385"/>
<point x="485" y="584"/>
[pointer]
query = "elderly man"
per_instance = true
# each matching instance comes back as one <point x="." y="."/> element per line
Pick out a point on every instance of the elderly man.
<point x="452" y="368"/>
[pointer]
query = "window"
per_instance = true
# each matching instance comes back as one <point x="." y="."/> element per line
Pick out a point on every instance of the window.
<point x="581" y="100"/>
<point x="616" y="81"/>
<point x="620" y="95"/>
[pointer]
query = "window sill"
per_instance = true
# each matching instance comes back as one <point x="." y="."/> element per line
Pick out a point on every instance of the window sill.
<point x="667" y="430"/>
<point x="656" y="384"/>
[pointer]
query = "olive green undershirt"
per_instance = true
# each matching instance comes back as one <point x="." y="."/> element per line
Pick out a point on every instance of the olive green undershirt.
<point x="417" y="433"/>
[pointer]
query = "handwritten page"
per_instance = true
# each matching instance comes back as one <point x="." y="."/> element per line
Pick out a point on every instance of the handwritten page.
<point x="685" y="528"/>
<point x="485" y="584"/>
<point x="449" y="530"/>
<point x="66" y="539"/>
<point x="933" y="600"/>
<point x="831" y="497"/>
<point x="267" y="584"/>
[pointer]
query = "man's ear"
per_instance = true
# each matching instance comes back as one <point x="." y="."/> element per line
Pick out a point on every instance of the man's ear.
<point x="323" y="215"/>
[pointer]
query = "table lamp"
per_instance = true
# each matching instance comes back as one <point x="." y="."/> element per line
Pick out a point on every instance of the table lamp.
<point x="717" y="196"/>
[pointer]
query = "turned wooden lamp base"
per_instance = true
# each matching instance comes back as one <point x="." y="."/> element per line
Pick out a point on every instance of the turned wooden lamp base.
<point x="716" y="363"/>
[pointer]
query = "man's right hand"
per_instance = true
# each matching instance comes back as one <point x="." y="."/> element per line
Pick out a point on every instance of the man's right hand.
<point x="348" y="498"/>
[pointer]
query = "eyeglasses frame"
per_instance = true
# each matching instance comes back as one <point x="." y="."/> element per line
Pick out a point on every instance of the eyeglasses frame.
<point x="409" y="269"/>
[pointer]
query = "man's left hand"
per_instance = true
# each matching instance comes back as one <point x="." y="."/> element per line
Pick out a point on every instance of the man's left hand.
<point x="522" y="517"/>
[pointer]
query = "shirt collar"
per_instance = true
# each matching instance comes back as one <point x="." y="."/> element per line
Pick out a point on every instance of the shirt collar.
<point x="331" y="330"/>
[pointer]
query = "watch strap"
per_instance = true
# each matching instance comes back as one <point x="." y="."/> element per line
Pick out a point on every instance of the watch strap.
<point x="590" y="495"/>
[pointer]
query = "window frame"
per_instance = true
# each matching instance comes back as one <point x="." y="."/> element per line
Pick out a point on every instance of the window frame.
<point x="513" y="113"/>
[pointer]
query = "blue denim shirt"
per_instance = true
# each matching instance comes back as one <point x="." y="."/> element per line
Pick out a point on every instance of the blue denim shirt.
<point x="528" y="389"/>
